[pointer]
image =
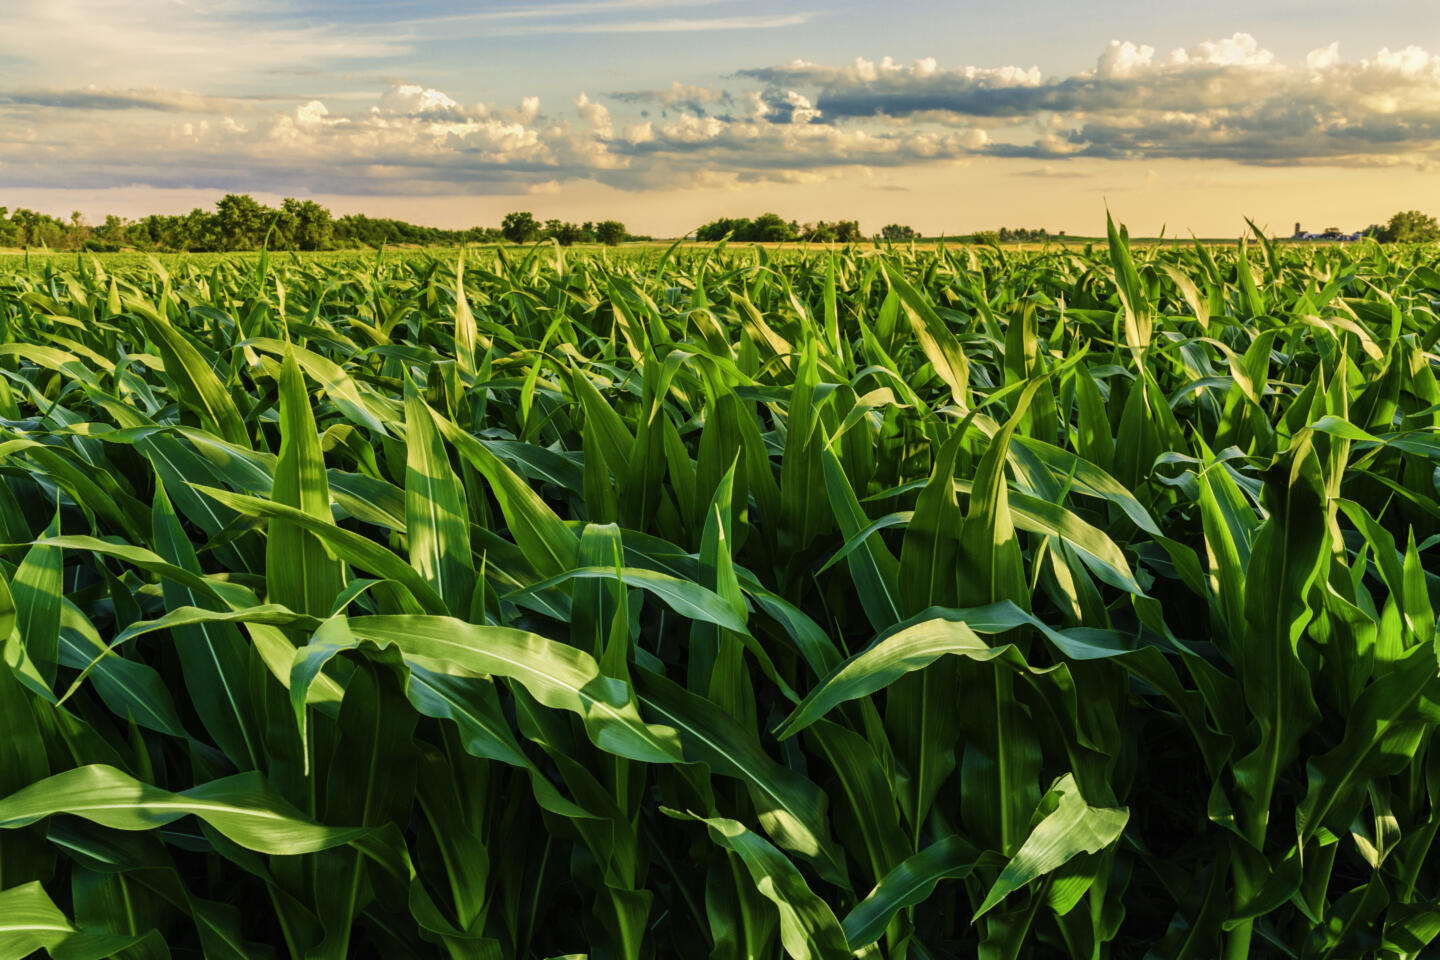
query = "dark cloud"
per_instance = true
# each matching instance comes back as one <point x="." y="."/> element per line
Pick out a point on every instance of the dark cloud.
<point x="97" y="100"/>
<point x="689" y="99"/>
<point x="1227" y="100"/>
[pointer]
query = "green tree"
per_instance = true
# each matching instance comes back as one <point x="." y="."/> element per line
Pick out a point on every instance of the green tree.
<point x="717" y="230"/>
<point x="305" y="224"/>
<point x="772" y="228"/>
<point x="112" y="230"/>
<point x="841" y="231"/>
<point x="898" y="232"/>
<point x="1412" y="226"/>
<point x="37" y="229"/>
<point x="241" y="222"/>
<point x="564" y="233"/>
<point x="78" y="231"/>
<point x="520" y="227"/>
<point x="610" y="232"/>
<point x="198" y="230"/>
<point x="766" y="228"/>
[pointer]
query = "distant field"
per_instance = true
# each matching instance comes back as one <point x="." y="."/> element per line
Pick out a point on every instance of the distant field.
<point x="129" y="259"/>
<point x="131" y="262"/>
<point x="12" y="259"/>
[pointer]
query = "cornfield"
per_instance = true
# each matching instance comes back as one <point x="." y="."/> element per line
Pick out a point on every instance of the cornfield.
<point x="718" y="603"/>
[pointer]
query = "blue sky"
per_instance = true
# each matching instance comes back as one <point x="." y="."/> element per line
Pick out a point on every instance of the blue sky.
<point x="667" y="112"/>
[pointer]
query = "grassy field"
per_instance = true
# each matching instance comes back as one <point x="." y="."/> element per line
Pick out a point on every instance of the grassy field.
<point x="721" y="603"/>
<point x="41" y="260"/>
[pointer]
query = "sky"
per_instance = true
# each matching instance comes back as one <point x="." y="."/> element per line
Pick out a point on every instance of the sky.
<point x="949" y="117"/>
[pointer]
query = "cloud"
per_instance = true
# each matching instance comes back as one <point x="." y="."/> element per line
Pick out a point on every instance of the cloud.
<point x="788" y="106"/>
<point x="165" y="43"/>
<point x="423" y="103"/>
<point x="545" y="11"/>
<point x="688" y="97"/>
<point x="1226" y="99"/>
<point x="417" y="139"/>
<point x="666" y="25"/>
<point x="599" y="16"/>
<point x="800" y="122"/>
<point x="97" y="98"/>
<point x="1051" y="172"/>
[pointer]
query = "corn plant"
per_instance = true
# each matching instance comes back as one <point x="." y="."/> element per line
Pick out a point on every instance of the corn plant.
<point x="716" y="603"/>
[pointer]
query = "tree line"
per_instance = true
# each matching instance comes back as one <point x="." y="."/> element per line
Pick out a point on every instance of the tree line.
<point x="240" y="222"/>
<point x="773" y="228"/>
<point x="1407" y="226"/>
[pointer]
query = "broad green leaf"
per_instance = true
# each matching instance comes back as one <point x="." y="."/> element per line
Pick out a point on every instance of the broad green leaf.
<point x="808" y="928"/>
<point x="1068" y="827"/>
<point x="31" y="923"/>
<point x="243" y="808"/>
<point x="940" y="346"/>
<point x="300" y="573"/>
<point x="36" y="589"/>
<point x="549" y="545"/>
<point x="791" y="808"/>
<point x="197" y="382"/>
<point x="890" y="658"/>
<point x="437" y="520"/>
<point x="351" y="547"/>
<point x="559" y="676"/>
<point x="951" y="858"/>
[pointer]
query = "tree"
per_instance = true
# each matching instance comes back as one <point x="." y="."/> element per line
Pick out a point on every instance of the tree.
<point x="520" y="227"/>
<point x="38" y="229"/>
<point x="9" y="230"/>
<point x="198" y="230"/>
<point x="610" y="232"/>
<point x="242" y="222"/>
<point x="106" y="238"/>
<point x="847" y="231"/>
<point x="897" y="232"/>
<point x="112" y="230"/>
<point x="717" y="230"/>
<point x="305" y="224"/>
<point x="79" y="230"/>
<point x="564" y="233"/>
<point x="771" y="228"/>
<point x="1018" y="234"/>
<point x="1411" y="226"/>
<point x="841" y="231"/>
